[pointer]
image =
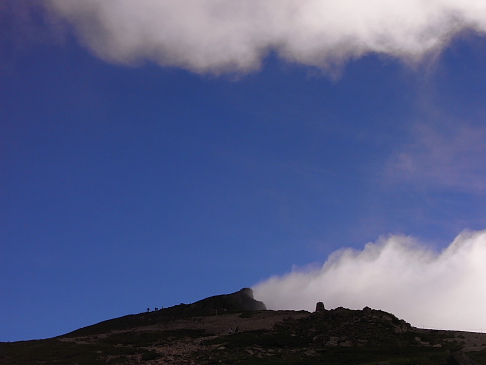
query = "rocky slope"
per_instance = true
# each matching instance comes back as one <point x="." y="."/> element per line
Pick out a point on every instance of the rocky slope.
<point x="236" y="329"/>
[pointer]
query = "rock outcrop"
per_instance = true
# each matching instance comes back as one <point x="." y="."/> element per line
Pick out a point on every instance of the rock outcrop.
<point x="320" y="307"/>
<point x="460" y="358"/>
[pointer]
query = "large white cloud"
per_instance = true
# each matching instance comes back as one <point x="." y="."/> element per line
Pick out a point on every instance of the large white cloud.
<point x="437" y="290"/>
<point x="233" y="36"/>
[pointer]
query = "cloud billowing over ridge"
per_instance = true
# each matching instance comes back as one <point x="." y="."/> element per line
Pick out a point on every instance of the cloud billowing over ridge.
<point x="396" y="274"/>
<point x="220" y="36"/>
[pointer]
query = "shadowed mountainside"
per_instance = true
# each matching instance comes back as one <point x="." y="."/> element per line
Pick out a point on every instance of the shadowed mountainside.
<point x="236" y="329"/>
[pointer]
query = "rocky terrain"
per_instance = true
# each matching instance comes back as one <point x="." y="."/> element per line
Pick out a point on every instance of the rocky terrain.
<point x="236" y="329"/>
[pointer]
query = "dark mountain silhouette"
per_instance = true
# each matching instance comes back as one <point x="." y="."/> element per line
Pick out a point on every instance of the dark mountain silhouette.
<point x="237" y="329"/>
<point x="240" y="301"/>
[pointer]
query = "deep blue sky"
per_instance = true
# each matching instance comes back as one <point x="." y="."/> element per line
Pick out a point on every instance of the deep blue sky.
<point x="127" y="187"/>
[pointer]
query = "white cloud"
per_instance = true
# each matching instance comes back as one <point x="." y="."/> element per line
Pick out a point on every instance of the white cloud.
<point x="437" y="290"/>
<point x="234" y="36"/>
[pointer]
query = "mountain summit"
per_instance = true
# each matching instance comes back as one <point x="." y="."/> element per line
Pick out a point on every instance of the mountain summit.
<point x="242" y="300"/>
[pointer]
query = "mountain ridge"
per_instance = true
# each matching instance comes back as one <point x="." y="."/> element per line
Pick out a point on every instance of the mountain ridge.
<point x="237" y="329"/>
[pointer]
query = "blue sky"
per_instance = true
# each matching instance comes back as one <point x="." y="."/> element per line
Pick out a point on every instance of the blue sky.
<point x="124" y="187"/>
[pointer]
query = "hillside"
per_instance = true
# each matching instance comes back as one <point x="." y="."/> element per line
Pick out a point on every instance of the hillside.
<point x="236" y="329"/>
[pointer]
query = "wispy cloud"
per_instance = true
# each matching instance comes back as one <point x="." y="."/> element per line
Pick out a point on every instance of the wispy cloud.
<point x="220" y="36"/>
<point x="24" y="23"/>
<point x="442" y="157"/>
<point x="397" y="274"/>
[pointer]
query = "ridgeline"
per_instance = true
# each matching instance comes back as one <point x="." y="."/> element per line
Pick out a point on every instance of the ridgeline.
<point x="237" y="329"/>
